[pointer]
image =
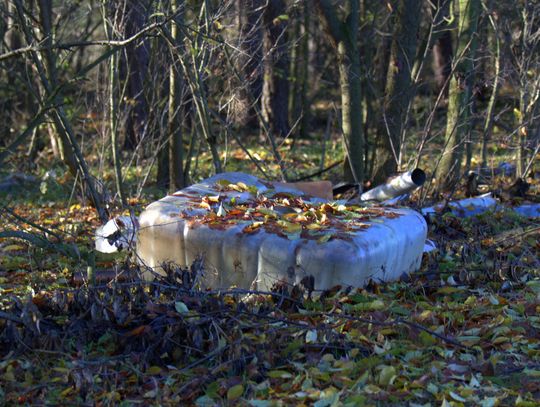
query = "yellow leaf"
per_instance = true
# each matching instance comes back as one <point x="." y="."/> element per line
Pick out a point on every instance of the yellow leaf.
<point x="279" y="374"/>
<point x="268" y="212"/>
<point x="369" y="306"/>
<point x="13" y="247"/>
<point x="66" y="392"/>
<point x="425" y="315"/>
<point x="153" y="370"/>
<point x="325" y="238"/>
<point x="427" y="339"/>
<point x="74" y="207"/>
<point x="223" y="182"/>
<point x="500" y="339"/>
<point x="242" y="186"/>
<point x="313" y="226"/>
<point x="9" y="376"/>
<point x="235" y="392"/>
<point x="387" y="375"/>
<point x="289" y="227"/>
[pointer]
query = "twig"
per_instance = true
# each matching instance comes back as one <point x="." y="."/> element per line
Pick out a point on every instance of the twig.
<point x="400" y="321"/>
<point x="29" y="222"/>
<point x="78" y="44"/>
<point x="433" y="333"/>
<point x="12" y="318"/>
<point x="316" y="173"/>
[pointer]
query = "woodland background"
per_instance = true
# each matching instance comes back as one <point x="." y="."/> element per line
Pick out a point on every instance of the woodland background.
<point x="107" y="105"/>
<point x="167" y="92"/>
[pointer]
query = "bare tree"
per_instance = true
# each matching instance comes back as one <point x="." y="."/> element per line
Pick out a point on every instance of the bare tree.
<point x="442" y="47"/>
<point x="175" y="109"/>
<point x="399" y="89"/>
<point x="299" y="106"/>
<point x="48" y="78"/>
<point x="343" y="34"/>
<point x="249" y="16"/>
<point x="459" y="124"/>
<point x="275" y="94"/>
<point x="527" y="62"/>
<point x="127" y="18"/>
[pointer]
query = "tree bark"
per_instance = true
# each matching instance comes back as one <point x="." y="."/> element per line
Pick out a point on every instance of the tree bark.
<point x="45" y="16"/>
<point x="298" y="98"/>
<point x="343" y="36"/>
<point x="113" y="113"/>
<point x="460" y="98"/>
<point x="442" y="48"/>
<point x="61" y="123"/>
<point x="249" y="21"/>
<point x="399" y="90"/>
<point x="174" y="125"/>
<point x="275" y="94"/>
<point x="529" y="89"/>
<point x="128" y="17"/>
<point x="494" y="45"/>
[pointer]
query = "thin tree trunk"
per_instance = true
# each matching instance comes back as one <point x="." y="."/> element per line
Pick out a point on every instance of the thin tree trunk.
<point x="192" y="72"/>
<point x="298" y="98"/>
<point x="458" y="123"/>
<point x="61" y="122"/>
<point x="174" y="125"/>
<point x="495" y="46"/>
<point x="295" y="28"/>
<point x="45" y="14"/>
<point x="159" y="121"/>
<point x="304" y="73"/>
<point x="529" y="103"/>
<point x="343" y="35"/>
<point x="399" y="90"/>
<point x="113" y="113"/>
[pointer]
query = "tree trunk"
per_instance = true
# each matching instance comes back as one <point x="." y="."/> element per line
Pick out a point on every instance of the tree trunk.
<point x="458" y="122"/>
<point x="128" y="17"/>
<point x="442" y="47"/>
<point x="298" y="99"/>
<point x="343" y="35"/>
<point x="174" y="125"/>
<point x="61" y="123"/>
<point x="399" y="90"/>
<point x="275" y="94"/>
<point x="113" y="113"/>
<point x="9" y="40"/>
<point x="249" y="19"/>
<point x="45" y="15"/>
<point x="495" y="46"/>
<point x="529" y="89"/>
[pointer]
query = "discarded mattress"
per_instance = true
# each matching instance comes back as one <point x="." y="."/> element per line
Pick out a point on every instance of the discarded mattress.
<point x="252" y="234"/>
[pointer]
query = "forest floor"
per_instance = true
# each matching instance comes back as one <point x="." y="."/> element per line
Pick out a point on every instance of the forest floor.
<point x="463" y="330"/>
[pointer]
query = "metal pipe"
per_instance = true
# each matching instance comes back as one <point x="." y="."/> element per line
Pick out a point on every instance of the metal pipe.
<point x="397" y="186"/>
